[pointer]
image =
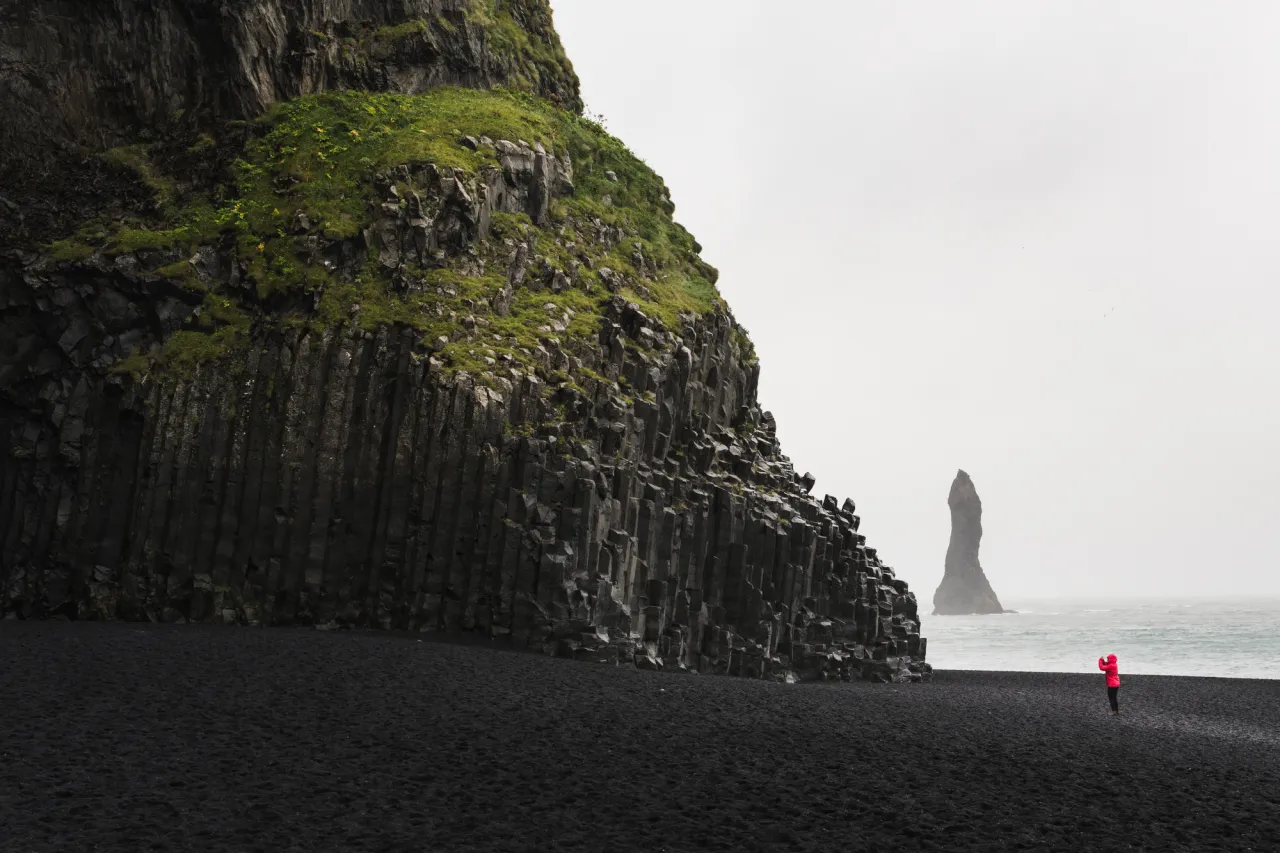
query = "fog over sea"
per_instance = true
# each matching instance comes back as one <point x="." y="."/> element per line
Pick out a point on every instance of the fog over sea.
<point x="1238" y="638"/>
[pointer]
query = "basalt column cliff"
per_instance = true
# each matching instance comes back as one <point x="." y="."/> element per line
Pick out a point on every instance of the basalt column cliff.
<point x="337" y="312"/>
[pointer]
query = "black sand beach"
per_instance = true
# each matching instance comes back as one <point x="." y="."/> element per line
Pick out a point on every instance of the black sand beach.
<point x="137" y="738"/>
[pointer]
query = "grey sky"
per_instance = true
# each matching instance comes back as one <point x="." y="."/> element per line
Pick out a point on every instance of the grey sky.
<point x="1037" y="241"/>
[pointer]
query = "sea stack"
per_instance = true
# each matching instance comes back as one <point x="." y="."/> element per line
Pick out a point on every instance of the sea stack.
<point x="964" y="588"/>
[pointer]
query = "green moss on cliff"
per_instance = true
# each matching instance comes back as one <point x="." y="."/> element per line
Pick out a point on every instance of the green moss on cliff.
<point x="312" y="169"/>
<point x="402" y="31"/>
<point x="514" y="38"/>
<point x="743" y="347"/>
<point x="325" y="150"/>
<point x="535" y="62"/>
<point x="71" y="250"/>
<point x="136" y="159"/>
<point x="136" y="365"/>
<point x="222" y="330"/>
<point x="130" y="240"/>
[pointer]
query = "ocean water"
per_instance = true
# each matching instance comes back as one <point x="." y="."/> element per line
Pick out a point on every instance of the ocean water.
<point x="1224" y="638"/>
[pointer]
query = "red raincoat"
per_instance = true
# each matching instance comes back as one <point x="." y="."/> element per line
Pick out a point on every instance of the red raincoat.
<point x="1112" y="669"/>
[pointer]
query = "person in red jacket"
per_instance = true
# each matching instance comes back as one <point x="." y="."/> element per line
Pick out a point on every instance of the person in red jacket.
<point x="1112" y="669"/>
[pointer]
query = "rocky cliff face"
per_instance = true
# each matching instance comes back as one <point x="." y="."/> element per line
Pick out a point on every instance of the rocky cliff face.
<point x="438" y="361"/>
<point x="79" y="78"/>
<point x="964" y="588"/>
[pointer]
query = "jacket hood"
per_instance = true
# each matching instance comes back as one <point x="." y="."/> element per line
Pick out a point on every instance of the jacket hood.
<point x="1111" y="658"/>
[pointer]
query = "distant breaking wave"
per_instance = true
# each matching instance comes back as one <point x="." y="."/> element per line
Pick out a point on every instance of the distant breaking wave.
<point x="1232" y="639"/>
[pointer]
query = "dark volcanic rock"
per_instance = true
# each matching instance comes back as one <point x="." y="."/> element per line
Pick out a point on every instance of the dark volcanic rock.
<point x="81" y="76"/>
<point x="964" y="588"/>
<point x="609" y="495"/>
<point x="338" y="479"/>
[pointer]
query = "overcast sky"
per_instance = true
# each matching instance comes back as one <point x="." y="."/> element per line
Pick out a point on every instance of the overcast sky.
<point x="1037" y="241"/>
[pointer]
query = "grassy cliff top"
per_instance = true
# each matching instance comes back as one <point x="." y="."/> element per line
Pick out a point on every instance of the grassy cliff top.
<point x="63" y="89"/>
<point x="324" y="161"/>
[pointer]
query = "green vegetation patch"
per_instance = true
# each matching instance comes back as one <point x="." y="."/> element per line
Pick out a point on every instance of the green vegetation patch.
<point x="319" y="153"/>
<point x="314" y="173"/>
<point x="537" y="64"/>
<point x="135" y="159"/>
<point x="518" y="36"/>
<point x="744" y="348"/>
<point x="223" y="331"/>
<point x="69" y="251"/>
<point x="402" y="31"/>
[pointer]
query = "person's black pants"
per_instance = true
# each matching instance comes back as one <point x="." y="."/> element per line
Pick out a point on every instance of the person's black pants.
<point x="1113" y="696"/>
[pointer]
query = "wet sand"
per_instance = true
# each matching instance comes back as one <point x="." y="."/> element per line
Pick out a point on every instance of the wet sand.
<point x="141" y="738"/>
